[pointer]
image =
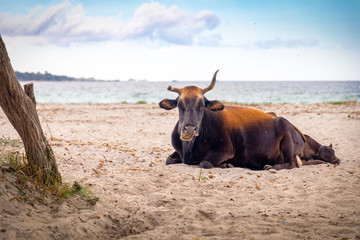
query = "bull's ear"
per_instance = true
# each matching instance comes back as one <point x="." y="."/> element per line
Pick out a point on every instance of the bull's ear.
<point x="214" y="105"/>
<point x="168" y="104"/>
<point x="330" y="146"/>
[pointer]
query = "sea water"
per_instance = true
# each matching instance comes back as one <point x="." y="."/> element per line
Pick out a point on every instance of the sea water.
<point x="229" y="91"/>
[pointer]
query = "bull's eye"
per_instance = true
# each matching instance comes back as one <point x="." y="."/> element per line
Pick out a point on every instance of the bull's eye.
<point x="181" y="108"/>
<point x="200" y="107"/>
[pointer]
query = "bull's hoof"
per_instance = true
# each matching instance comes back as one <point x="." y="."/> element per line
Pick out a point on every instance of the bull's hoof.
<point x="206" y="165"/>
<point x="226" y="165"/>
<point x="267" y="167"/>
<point x="171" y="160"/>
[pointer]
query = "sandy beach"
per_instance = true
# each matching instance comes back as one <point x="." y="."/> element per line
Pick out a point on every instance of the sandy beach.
<point x="118" y="151"/>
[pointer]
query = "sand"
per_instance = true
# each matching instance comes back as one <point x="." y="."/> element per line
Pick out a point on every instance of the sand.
<point x="119" y="150"/>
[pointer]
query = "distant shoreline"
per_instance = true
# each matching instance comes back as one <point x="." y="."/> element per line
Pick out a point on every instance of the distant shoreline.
<point x="48" y="77"/>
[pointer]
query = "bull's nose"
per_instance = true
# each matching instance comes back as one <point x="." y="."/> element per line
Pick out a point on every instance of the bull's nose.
<point x="190" y="128"/>
<point x="188" y="133"/>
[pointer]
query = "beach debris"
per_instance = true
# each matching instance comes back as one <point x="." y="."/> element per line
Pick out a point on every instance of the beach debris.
<point x="98" y="173"/>
<point x="91" y="201"/>
<point x="95" y="217"/>
<point x="100" y="165"/>
<point x="135" y="169"/>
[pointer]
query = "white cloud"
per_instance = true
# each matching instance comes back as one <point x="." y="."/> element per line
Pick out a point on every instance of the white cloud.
<point x="65" y="23"/>
<point x="34" y="23"/>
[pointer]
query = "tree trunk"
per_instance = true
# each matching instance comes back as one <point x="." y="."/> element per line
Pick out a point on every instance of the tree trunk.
<point x="20" y="108"/>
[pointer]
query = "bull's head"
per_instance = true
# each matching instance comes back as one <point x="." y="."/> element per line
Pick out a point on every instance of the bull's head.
<point x="191" y="103"/>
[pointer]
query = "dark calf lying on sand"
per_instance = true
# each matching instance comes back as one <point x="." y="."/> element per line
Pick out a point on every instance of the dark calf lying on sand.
<point x="315" y="153"/>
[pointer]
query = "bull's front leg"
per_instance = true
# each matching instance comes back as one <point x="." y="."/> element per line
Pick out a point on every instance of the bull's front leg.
<point x="290" y="165"/>
<point x="174" y="158"/>
<point x="216" y="159"/>
<point x="289" y="148"/>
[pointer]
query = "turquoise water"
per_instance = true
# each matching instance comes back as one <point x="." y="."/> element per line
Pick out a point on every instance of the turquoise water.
<point x="230" y="91"/>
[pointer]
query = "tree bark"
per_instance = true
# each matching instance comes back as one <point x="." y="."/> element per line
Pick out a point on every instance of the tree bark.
<point x="20" y="108"/>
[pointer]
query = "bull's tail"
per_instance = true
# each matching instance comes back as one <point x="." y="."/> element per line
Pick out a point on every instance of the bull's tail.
<point x="302" y="135"/>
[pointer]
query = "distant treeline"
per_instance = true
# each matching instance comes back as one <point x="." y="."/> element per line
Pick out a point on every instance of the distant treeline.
<point x="41" y="76"/>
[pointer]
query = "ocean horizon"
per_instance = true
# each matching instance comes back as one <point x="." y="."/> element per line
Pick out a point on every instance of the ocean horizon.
<point x="247" y="92"/>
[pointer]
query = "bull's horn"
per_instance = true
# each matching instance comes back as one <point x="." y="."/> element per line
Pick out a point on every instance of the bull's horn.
<point x="212" y="84"/>
<point x="172" y="89"/>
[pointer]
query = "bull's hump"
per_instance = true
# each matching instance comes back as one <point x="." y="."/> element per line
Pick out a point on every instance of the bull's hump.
<point x="235" y="117"/>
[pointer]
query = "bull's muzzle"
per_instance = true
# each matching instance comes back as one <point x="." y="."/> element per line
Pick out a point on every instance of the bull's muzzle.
<point x="188" y="133"/>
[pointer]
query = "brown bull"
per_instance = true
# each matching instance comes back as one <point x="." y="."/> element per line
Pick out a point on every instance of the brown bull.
<point x="212" y="135"/>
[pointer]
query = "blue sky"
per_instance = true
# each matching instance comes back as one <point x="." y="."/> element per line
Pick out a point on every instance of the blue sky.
<point x="185" y="40"/>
